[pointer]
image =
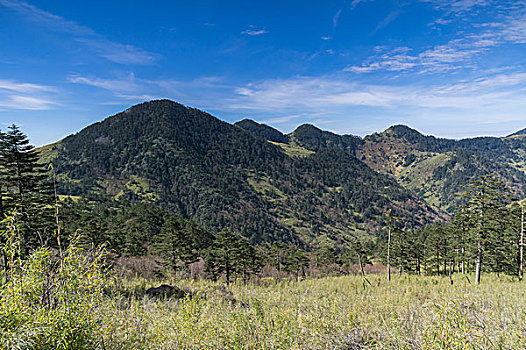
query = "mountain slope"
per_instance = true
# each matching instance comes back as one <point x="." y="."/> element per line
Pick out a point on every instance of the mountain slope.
<point x="433" y="168"/>
<point x="521" y="132"/>
<point x="264" y="131"/>
<point x="223" y="176"/>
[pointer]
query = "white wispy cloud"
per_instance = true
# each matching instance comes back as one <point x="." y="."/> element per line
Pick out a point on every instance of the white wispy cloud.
<point x="282" y="101"/>
<point x="12" y="85"/>
<point x="100" y="45"/>
<point x="479" y="40"/>
<point x="120" y="86"/>
<point x="458" y="5"/>
<point x="355" y="3"/>
<point x="442" y="21"/>
<point x="336" y="17"/>
<point x="281" y="120"/>
<point x="326" y="93"/>
<point x="130" y="89"/>
<point x="326" y="38"/>
<point x="26" y="103"/>
<point x="253" y="31"/>
<point x="455" y="54"/>
<point x="26" y="96"/>
<point x="387" y="20"/>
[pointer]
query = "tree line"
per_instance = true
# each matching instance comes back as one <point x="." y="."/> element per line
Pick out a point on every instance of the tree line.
<point x="486" y="233"/>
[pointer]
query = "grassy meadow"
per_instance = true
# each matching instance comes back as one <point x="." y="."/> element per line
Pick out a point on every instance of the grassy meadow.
<point x="67" y="299"/>
<point x="412" y="312"/>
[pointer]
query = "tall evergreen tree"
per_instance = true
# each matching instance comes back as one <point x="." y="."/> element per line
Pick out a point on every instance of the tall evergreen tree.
<point x="248" y="261"/>
<point x="179" y="243"/>
<point x="26" y="187"/>
<point x="486" y="206"/>
<point x="222" y="255"/>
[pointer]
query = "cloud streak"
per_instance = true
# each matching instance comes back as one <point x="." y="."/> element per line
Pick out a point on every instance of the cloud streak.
<point x="252" y="31"/>
<point x="455" y="6"/>
<point x="386" y="21"/>
<point x="325" y="93"/>
<point x="85" y="36"/>
<point x="462" y="52"/>
<point x="25" y="96"/>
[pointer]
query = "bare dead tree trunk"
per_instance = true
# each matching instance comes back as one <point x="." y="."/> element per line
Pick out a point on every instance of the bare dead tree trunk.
<point x="361" y="265"/>
<point x="450" y="272"/>
<point x="388" y="255"/>
<point x="463" y="262"/>
<point x="521" y="267"/>
<point x="478" y="266"/>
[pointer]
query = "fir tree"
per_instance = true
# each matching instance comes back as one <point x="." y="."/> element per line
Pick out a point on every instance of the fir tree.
<point x="222" y="256"/>
<point x="176" y="244"/>
<point x="26" y="187"/>
<point x="486" y="206"/>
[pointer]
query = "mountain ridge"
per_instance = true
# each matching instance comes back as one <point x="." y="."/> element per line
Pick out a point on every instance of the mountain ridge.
<point x="430" y="166"/>
<point x="221" y="175"/>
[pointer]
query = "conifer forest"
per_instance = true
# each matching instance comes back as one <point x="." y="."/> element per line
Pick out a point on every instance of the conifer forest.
<point x="162" y="227"/>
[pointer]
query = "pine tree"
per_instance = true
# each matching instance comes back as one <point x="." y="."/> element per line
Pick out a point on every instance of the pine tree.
<point x="223" y="254"/>
<point x="26" y="187"/>
<point x="176" y="244"/>
<point x="486" y="206"/>
<point x="248" y="261"/>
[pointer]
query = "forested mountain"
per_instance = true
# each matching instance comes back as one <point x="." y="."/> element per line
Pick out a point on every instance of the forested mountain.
<point x="221" y="175"/>
<point x="432" y="168"/>
<point x="521" y="132"/>
<point x="264" y="131"/>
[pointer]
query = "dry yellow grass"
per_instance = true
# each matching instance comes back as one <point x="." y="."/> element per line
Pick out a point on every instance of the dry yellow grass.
<point x="412" y="312"/>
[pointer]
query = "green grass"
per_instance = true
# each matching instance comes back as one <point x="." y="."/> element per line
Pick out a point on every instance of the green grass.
<point x="140" y="187"/>
<point x="48" y="152"/>
<point x="417" y="176"/>
<point x="293" y="150"/>
<point x="329" y="313"/>
<point x="262" y="184"/>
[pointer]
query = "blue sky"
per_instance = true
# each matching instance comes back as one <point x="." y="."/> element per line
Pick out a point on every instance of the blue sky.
<point x="453" y="68"/>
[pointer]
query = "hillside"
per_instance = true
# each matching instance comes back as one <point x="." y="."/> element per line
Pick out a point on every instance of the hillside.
<point x="220" y="175"/>
<point x="432" y="168"/>
<point x="521" y="132"/>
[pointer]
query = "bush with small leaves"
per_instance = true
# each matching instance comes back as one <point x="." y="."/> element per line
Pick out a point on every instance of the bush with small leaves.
<point x="50" y="299"/>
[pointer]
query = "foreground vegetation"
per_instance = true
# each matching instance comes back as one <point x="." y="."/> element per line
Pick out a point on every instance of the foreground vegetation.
<point x="329" y="313"/>
<point x="64" y="282"/>
<point x="69" y="300"/>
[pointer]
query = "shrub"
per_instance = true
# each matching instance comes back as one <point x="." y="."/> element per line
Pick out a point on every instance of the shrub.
<point x="49" y="300"/>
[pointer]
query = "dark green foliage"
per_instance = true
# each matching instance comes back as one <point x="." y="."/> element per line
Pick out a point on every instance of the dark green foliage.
<point x="470" y="158"/>
<point x="25" y="187"/>
<point x="180" y="243"/>
<point x="263" y="131"/>
<point x="288" y="258"/>
<point x="485" y="232"/>
<point x="230" y="255"/>
<point x="218" y="175"/>
<point x="127" y="228"/>
<point x="248" y="260"/>
<point x="314" y="139"/>
<point x="421" y="142"/>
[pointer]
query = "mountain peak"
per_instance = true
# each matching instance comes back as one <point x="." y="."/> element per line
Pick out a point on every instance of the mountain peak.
<point x="262" y="130"/>
<point x="521" y="132"/>
<point x="401" y="129"/>
<point x="156" y="103"/>
<point x="304" y="128"/>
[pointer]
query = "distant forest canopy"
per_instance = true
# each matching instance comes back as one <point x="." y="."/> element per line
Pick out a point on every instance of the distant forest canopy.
<point x="171" y="181"/>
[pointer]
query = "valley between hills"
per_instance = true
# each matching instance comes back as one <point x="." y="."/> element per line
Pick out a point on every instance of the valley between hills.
<point x="305" y="187"/>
